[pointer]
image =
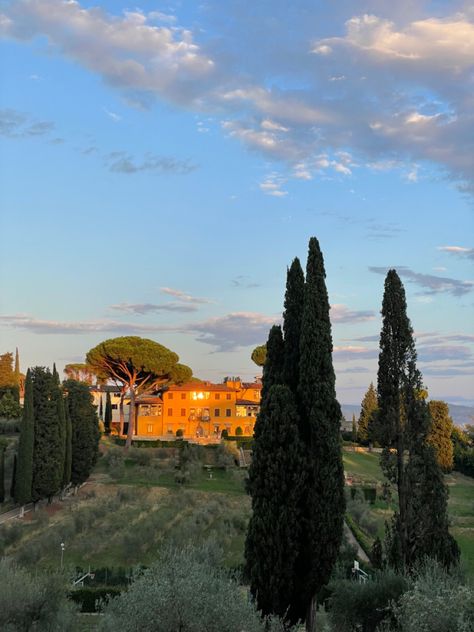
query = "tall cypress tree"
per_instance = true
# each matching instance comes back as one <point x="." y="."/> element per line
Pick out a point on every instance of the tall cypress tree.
<point x="85" y="430"/>
<point x="323" y="503"/>
<point x="13" y="481"/>
<point x="24" y="475"/>
<point x="294" y="299"/>
<point x="367" y="412"/>
<point x="403" y="422"/>
<point x="68" y="452"/>
<point x="108" y="414"/>
<point x="275" y="482"/>
<point x="3" y="448"/>
<point x="273" y="367"/>
<point x="17" y="374"/>
<point x="101" y="408"/>
<point x="62" y="424"/>
<point x="48" y="454"/>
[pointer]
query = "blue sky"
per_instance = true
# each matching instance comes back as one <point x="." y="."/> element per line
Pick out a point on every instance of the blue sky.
<point x="161" y="165"/>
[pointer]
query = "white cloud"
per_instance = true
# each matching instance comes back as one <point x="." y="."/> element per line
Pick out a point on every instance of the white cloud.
<point x="272" y="185"/>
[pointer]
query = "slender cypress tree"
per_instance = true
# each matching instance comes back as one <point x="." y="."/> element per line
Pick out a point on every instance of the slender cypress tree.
<point x="273" y="367"/>
<point x="24" y="477"/>
<point x="13" y="480"/>
<point x="367" y="411"/>
<point x="275" y="485"/>
<point x="420" y="527"/>
<point x="294" y="299"/>
<point x="323" y="504"/>
<point x="68" y="454"/>
<point x="101" y="409"/>
<point x="3" y="447"/>
<point x="85" y="430"/>
<point x="354" y="429"/>
<point x="49" y="446"/>
<point x="108" y="414"/>
<point x="62" y="424"/>
<point x="17" y="374"/>
<point x="440" y="434"/>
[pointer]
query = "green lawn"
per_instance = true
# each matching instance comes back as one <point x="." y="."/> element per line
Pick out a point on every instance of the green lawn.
<point x="363" y="466"/>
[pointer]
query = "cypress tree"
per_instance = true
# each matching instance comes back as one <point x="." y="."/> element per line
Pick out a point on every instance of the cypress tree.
<point x="62" y="424"/>
<point x="323" y="503"/>
<point x="85" y="430"/>
<point x="440" y="434"/>
<point x="24" y="475"/>
<point x="420" y="527"/>
<point x="273" y="367"/>
<point x="275" y="485"/>
<point x="13" y="481"/>
<point x="2" y="470"/>
<point x="108" y="414"/>
<point x="68" y="452"/>
<point x="17" y="374"/>
<point x="354" y="429"/>
<point x="367" y="412"/>
<point x="294" y="299"/>
<point x="101" y="409"/>
<point x="49" y="446"/>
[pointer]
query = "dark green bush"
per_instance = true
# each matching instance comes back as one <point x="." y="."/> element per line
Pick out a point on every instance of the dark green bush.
<point x="363" y="606"/>
<point x="90" y="598"/>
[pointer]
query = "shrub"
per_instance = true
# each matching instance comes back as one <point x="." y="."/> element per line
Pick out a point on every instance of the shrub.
<point x="363" y="606"/>
<point x="30" y="602"/>
<point x="93" y="599"/>
<point x="436" y="601"/>
<point x="185" y="590"/>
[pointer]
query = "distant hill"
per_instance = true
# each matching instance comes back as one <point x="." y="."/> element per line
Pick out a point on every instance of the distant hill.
<point x="461" y="415"/>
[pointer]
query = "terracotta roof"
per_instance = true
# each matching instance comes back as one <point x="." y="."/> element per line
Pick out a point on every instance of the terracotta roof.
<point x="246" y="402"/>
<point x="149" y="399"/>
<point x="255" y="385"/>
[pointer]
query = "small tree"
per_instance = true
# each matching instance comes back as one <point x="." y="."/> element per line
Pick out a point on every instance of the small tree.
<point x="440" y="434"/>
<point x="138" y="365"/>
<point x="367" y="414"/>
<point x="108" y="414"/>
<point x="259" y="354"/>
<point x="3" y="447"/>
<point x="80" y="371"/>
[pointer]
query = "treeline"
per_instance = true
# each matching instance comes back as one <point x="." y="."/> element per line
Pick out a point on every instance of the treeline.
<point x="10" y="385"/>
<point x="59" y="437"/>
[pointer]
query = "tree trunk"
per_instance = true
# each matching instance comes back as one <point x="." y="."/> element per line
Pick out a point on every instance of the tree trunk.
<point x="311" y="616"/>
<point x="22" y="511"/>
<point x="122" y="415"/>
<point x="131" y="419"/>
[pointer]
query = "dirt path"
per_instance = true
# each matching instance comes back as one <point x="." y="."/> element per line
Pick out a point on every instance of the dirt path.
<point x="361" y="554"/>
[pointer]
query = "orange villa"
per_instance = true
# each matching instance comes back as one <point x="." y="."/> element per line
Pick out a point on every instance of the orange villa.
<point x="199" y="410"/>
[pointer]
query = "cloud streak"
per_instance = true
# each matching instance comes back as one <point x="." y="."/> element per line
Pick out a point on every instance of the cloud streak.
<point x="15" y="124"/>
<point x="433" y="284"/>
<point x="123" y="162"/>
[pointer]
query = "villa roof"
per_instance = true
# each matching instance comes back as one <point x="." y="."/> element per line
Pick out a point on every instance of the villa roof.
<point x="200" y="386"/>
<point x="246" y="402"/>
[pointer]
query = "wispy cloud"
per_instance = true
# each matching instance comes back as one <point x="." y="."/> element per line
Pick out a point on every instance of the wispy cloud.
<point x="273" y="185"/>
<point x="459" y="251"/>
<point x="15" y="124"/>
<point x="433" y="284"/>
<point x="183" y="296"/>
<point x="342" y="314"/>
<point x="123" y="162"/>
<point x="147" y="308"/>
<point x="116" y="118"/>
<point x="243" y="281"/>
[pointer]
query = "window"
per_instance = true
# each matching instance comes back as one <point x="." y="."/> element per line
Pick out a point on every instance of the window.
<point x="228" y="412"/>
<point x="114" y="406"/>
<point x="218" y="395"/>
<point x="183" y="395"/>
<point x="170" y="395"/>
<point x="170" y="412"/>
<point x="228" y="396"/>
<point x="217" y="412"/>
<point x="256" y="394"/>
<point x="192" y="414"/>
<point x="200" y="395"/>
<point x="205" y="414"/>
<point x="149" y="428"/>
<point x="183" y="412"/>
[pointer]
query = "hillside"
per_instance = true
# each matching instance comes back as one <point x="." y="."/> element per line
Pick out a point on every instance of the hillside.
<point x="461" y="415"/>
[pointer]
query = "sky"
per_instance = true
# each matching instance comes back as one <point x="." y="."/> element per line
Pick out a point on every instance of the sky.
<point x="161" y="165"/>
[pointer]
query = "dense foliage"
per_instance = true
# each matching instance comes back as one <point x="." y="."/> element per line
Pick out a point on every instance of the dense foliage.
<point x="420" y="526"/>
<point x="440" y="434"/>
<point x="367" y="414"/>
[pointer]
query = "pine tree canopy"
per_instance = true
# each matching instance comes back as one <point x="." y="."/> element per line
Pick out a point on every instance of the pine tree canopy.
<point x="259" y="355"/>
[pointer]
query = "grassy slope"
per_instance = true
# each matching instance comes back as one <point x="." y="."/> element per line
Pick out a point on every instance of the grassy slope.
<point x="365" y="468"/>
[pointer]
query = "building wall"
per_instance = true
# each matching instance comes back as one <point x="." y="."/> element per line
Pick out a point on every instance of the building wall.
<point x="199" y="410"/>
